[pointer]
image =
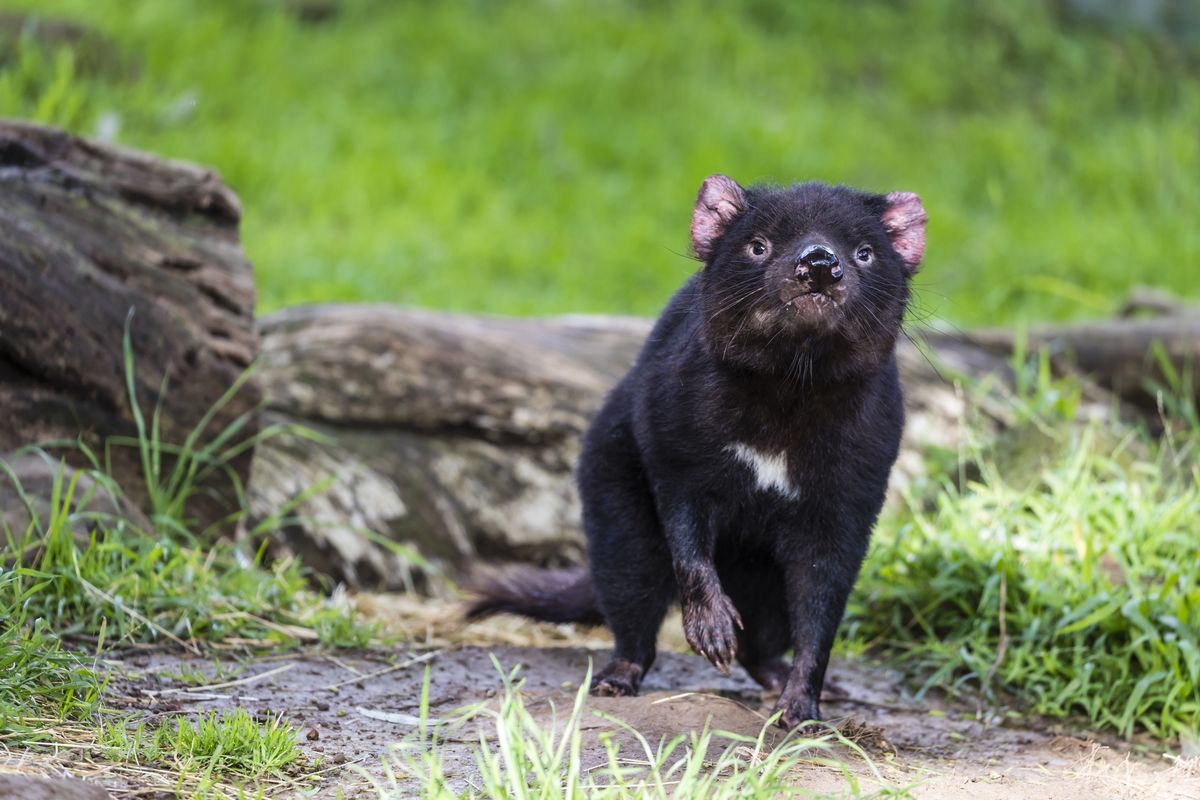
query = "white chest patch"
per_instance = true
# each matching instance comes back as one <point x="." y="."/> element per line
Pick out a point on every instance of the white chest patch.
<point x="770" y="469"/>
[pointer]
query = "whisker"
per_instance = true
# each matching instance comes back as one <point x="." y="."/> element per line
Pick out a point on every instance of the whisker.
<point x="738" y="330"/>
<point x="736" y="302"/>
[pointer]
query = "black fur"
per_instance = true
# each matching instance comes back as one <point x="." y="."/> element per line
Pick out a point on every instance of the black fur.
<point x="751" y="356"/>
<point x="552" y="595"/>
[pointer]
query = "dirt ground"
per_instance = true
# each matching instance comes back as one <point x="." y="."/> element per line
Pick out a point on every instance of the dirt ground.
<point x="351" y="707"/>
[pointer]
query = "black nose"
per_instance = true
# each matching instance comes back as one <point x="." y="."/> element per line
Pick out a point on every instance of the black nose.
<point x="819" y="265"/>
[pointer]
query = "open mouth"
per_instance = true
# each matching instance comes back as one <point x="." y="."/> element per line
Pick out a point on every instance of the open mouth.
<point x="812" y="301"/>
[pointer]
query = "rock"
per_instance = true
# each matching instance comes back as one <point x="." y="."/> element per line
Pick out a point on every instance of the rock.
<point x="27" y="787"/>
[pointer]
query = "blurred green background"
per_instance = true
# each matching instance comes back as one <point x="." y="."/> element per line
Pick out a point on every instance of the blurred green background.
<point x="542" y="156"/>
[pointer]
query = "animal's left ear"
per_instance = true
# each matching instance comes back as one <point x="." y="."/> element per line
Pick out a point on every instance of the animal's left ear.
<point x="904" y="220"/>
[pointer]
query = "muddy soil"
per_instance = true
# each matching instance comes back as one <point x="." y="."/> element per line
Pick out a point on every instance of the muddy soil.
<point x="351" y="708"/>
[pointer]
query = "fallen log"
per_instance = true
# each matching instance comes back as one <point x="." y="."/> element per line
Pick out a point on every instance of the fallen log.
<point x="453" y="434"/>
<point x="90" y="235"/>
<point x="1125" y="356"/>
<point x="456" y="435"/>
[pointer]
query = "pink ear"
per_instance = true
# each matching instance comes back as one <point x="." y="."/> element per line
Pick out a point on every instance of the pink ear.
<point x="719" y="201"/>
<point x="904" y="221"/>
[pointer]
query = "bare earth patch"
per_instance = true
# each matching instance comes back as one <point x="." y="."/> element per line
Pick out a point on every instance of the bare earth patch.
<point x="350" y="707"/>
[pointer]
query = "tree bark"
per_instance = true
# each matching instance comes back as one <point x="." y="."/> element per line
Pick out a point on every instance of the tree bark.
<point x="90" y="235"/>
<point x="453" y="434"/>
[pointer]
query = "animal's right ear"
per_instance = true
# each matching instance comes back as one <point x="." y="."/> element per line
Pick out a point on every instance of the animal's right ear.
<point x="719" y="202"/>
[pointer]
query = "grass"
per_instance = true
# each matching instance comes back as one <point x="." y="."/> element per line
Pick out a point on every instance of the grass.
<point x="90" y="573"/>
<point x="519" y="757"/>
<point x="91" y="578"/>
<point x="1065" y="583"/>
<point x="175" y="473"/>
<point x="216" y="756"/>
<point x="41" y="684"/>
<point x="135" y="586"/>
<point x="78" y="580"/>
<point x="230" y="743"/>
<point x="543" y="157"/>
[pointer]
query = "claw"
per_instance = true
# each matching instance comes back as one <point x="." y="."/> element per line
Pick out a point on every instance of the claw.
<point x="710" y="627"/>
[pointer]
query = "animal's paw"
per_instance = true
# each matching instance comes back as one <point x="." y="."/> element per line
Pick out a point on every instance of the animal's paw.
<point x="800" y="713"/>
<point x="771" y="675"/>
<point x="710" y="625"/>
<point x="620" y="678"/>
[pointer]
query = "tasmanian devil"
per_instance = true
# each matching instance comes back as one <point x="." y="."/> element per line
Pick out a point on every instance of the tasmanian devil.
<point x="741" y="463"/>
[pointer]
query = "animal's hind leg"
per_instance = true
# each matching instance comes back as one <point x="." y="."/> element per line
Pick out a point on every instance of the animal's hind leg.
<point x="634" y="582"/>
<point x="757" y="591"/>
<point x="630" y="564"/>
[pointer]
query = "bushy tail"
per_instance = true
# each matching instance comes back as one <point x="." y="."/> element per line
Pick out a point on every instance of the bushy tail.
<point x="551" y="595"/>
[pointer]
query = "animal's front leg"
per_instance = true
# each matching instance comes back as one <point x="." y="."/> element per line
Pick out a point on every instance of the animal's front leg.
<point x="817" y="584"/>
<point x="710" y="621"/>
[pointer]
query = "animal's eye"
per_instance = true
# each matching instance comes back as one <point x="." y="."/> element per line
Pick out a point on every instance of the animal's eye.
<point x="864" y="253"/>
<point x="758" y="248"/>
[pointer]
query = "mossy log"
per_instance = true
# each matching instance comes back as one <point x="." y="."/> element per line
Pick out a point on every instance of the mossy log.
<point x="94" y="241"/>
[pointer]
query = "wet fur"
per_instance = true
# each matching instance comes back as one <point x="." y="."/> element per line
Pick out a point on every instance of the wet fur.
<point x="672" y="506"/>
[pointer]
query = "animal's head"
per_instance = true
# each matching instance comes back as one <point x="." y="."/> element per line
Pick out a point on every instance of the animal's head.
<point x="805" y="268"/>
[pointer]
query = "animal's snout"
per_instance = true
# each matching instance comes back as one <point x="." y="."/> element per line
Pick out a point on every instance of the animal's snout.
<point x="819" y="265"/>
